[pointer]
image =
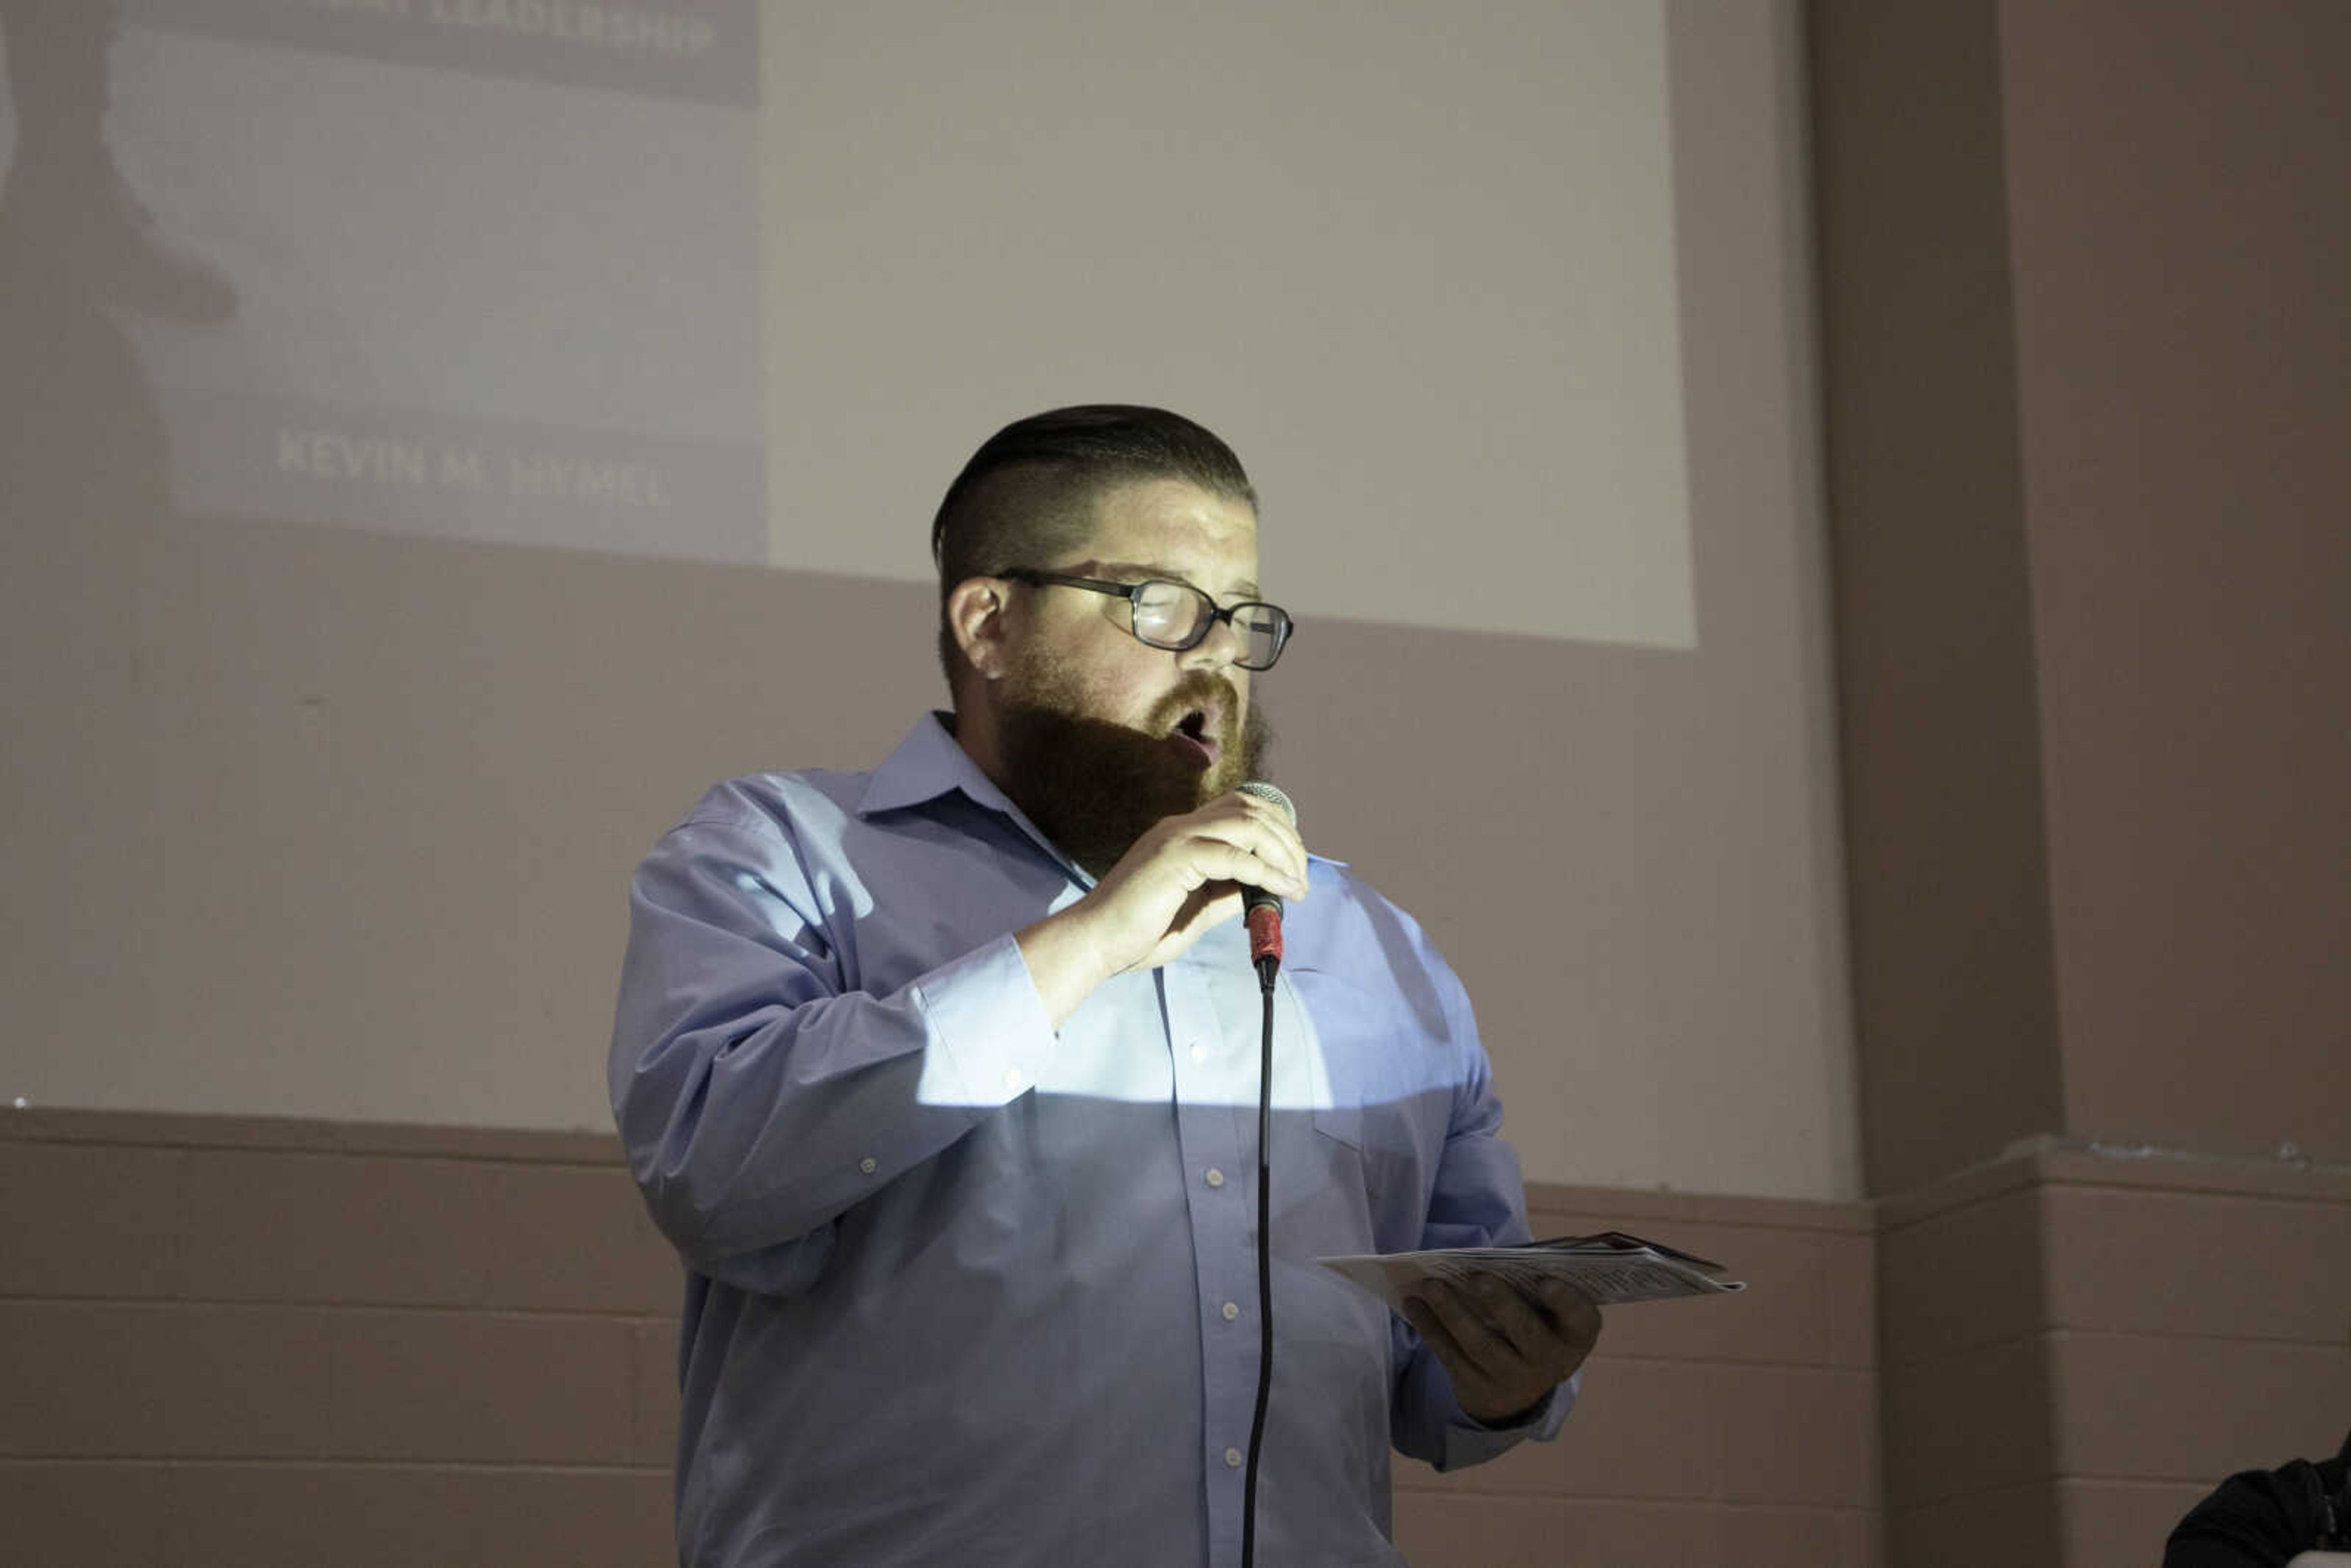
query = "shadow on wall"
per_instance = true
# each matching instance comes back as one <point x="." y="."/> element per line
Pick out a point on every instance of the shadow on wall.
<point x="87" y="524"/>
<point x="80" y="434"/>
<point x="86" y="505"/>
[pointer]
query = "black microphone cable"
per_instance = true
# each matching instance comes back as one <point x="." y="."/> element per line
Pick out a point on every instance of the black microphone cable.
<point x="1265" y="969"/>
<point x="1265" y="955"/>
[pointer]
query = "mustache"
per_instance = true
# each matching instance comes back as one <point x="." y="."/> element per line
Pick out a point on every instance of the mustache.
<point x="1200" y="689"/>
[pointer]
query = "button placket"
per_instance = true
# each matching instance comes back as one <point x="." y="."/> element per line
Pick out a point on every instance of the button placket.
<point x="1212" y="1140"/>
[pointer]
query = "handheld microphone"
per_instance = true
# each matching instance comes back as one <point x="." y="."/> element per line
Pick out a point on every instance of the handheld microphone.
<point x="1263" y="909"/>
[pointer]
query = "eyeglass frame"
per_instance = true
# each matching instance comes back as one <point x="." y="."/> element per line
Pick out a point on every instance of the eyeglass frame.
<point x="1132" y="593"/>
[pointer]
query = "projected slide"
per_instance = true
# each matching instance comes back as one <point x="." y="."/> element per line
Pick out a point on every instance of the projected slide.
<point x="746" y="282"/>
<point x="1415" y="261"/>
<point x="482" y="268"/>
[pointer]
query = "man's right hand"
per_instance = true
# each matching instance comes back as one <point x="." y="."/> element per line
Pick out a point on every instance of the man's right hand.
<point x="1180" y="879"/>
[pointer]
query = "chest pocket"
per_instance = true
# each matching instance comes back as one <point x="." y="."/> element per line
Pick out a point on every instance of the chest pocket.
<point x="1374" y="1118"/>
<point x="1343" y="1124"/>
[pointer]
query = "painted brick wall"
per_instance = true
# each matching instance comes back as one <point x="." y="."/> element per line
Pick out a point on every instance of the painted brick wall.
<point x="2080" y="1343"/>
<point x="230" y="1341"/>
<point x="241" y="1342"/>
<point x="1715" y="1430"/>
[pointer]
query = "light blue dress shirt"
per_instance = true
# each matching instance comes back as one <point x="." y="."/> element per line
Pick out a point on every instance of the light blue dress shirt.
<point x="964" y="1288"/>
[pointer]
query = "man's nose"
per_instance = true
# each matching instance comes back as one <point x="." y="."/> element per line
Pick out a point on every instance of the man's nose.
<point x="1221" y="649"/>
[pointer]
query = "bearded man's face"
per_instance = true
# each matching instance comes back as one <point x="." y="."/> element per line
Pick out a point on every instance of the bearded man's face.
<point x="1102" y="735"/>
<point x="1094" y="786"/>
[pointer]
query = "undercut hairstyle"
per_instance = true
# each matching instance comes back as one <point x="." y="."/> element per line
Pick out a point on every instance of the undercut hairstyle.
<point x="1027" y="497"/>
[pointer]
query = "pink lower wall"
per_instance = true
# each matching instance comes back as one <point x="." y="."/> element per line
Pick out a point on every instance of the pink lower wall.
<point x="230" y="1341"/>
<point x="1739" y="1429"/>
<point x="234" y="1341"/>
<point x="2080" y="1341"/>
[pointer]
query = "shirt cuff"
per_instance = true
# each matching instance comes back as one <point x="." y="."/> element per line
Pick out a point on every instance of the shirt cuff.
<point x="1470" y="1441"/>
<point x="989" y="1028"/>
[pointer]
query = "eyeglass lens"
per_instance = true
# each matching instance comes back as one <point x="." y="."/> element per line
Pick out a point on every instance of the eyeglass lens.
<point x="1176" y="614"/>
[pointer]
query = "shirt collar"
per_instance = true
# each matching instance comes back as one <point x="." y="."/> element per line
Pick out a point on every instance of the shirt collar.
<point x="928" y="764"/>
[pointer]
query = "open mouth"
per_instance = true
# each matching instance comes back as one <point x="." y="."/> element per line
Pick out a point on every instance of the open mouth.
<point x="1197" y="733"/>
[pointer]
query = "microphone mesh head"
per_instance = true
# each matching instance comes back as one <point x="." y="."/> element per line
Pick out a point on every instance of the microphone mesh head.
<point x="1272" y="792"/>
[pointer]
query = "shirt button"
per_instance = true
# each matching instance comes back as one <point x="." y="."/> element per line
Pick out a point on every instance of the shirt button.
<point x="1232" y="1458"/>
<point x="1012" y="1078"/>
<point x="866" y="1164"/>
<point x="1231" y="1311"/>
<point x="1214" y="1178"/>
<point x="1199" y="1051"/>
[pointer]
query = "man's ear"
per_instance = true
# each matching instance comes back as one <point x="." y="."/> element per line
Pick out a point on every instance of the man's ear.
<point x="980" y="615"/>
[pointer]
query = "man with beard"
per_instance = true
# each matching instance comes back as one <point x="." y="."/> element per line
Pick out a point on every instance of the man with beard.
<point x="943" y="1080"/>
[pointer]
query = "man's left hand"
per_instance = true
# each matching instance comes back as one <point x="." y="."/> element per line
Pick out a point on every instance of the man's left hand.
<point x="1505" y="1348"/>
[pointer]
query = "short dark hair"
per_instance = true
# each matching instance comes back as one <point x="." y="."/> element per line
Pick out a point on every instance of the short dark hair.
<point x="1027" y="497"/>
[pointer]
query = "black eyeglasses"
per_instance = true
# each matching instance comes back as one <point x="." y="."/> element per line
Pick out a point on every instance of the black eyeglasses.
<point x="1176" y="616"/>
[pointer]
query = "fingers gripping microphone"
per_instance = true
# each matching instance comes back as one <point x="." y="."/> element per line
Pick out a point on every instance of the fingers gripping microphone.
<point x="1263" y="915"/>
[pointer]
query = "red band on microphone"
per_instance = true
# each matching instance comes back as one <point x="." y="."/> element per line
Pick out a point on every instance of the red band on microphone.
<point x="1265" y="934"/>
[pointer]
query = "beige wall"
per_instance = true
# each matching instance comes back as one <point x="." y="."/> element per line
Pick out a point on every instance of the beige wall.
<point x="2087" y="370"/>
<point x="2086" y="348"/>
<point x="2180" y="219"/>
<point x="1952" y="983"/>
<point x="309" y="822"/>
